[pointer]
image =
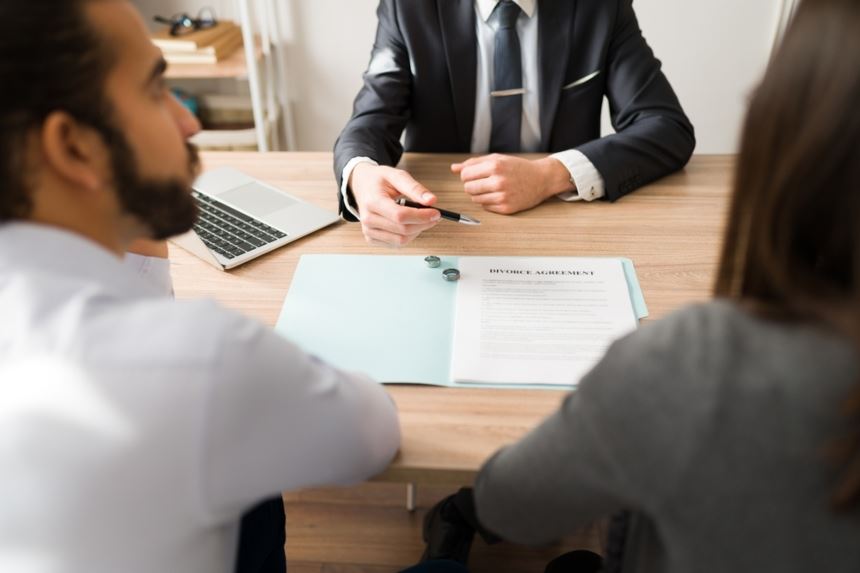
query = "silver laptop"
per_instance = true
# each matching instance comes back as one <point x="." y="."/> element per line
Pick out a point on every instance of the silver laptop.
<point x="242" y="218"/>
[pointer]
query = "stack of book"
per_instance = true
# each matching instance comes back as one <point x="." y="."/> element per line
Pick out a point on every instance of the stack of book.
<point x="206" y="46"/>
<point x="228" y="123"/>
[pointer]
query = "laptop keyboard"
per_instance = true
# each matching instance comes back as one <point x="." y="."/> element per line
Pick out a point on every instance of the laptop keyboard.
<point x="229" y="232"/>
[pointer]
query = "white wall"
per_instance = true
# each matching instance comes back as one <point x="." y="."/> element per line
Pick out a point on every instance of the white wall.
<point x="329" y="43"/>
<point x="712" y="52"/>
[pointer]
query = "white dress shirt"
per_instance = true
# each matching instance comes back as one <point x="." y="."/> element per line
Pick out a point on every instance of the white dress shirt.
<point x="584" y="175"/>
<point x="135" y="430"/>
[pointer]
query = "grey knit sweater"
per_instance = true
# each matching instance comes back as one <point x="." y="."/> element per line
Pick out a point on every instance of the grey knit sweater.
<point x="710" y="426"/>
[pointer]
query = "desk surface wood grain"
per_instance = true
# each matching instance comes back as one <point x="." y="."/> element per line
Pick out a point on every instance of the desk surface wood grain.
<point x="671" y="230"/>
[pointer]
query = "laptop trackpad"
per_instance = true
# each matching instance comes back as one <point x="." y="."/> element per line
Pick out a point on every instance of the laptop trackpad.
<point x="256" y="199"/>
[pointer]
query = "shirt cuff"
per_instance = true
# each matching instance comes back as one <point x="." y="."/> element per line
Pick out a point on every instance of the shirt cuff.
<point x="589" y="183"/>
<point x="154" y="270"/>
<point x="344" y="186"/>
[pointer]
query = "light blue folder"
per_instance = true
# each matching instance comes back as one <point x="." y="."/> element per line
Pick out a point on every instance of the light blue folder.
<point x="390" y="317"/>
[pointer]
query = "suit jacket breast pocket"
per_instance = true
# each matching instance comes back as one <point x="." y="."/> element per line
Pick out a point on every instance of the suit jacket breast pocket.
<point x="585" y="82"/>
<point x="578" y="114"/>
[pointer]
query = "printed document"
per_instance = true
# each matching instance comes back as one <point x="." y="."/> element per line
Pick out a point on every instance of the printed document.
<point x="537" y="320"/>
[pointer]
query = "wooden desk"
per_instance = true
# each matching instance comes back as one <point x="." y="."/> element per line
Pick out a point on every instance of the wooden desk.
<point x="671" y="230"/>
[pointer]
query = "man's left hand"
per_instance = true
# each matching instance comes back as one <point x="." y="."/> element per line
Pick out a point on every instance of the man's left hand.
<point x="505" y="184"/>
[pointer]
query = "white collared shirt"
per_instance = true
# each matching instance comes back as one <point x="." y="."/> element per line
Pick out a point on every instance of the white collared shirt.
<point x="527" y="30"/>
<point x="589" y="183"/>
<point x="135" y="430"/>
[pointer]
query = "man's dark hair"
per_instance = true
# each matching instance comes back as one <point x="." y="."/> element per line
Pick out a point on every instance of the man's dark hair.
<point x="51" y="59"/>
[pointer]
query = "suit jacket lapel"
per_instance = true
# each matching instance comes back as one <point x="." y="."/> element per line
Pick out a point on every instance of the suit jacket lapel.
<point x="555" y="24"/>
<point x="457" y="21"/>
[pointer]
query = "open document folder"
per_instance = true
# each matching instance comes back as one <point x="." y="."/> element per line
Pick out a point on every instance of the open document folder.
<point x="396" y="319"/>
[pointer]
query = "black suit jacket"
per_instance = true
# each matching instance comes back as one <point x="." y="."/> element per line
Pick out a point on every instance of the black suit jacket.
<point x="422" y="79"/>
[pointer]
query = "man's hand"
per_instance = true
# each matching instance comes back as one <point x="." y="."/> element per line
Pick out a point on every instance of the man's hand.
<point x="148" y="248"/>
<point x="384" y="222"/>
<point x="505" y="184"/>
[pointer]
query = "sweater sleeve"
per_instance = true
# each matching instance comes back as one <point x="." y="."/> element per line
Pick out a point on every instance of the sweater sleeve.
<point x="620" y="441"/>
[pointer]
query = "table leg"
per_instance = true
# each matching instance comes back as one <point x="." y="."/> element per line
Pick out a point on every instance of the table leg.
<point x="410" y="496"/>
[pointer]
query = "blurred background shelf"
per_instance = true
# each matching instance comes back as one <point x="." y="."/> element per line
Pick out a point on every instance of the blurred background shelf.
<point x="235" y="66"/>
<point x="229" y="124"/>
<point x="254" y="71"/>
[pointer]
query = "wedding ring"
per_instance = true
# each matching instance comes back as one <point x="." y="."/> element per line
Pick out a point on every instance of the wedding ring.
<point x="451" y="275"/>
<point x="432" y="262"/>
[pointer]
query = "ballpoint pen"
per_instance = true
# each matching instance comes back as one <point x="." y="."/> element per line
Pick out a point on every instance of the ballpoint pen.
<point x="450" y="215"/>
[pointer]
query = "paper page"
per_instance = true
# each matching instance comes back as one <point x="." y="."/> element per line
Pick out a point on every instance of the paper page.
<point x="537" y="320"/>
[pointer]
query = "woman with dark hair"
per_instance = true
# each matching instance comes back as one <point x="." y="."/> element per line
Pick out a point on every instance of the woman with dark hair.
<point x="730" y="430"/>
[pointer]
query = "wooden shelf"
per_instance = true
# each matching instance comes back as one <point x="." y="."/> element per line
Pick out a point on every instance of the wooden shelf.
<point x="234" y="139"/>
<point x="234" y="66"/>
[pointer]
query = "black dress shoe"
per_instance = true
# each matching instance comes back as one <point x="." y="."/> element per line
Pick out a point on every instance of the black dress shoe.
<point x="446" y="533"/>
<point x="579" y="561"/>
<point x="464" y="502"/>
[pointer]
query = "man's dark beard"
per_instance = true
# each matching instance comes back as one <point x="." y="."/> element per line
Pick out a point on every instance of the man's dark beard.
<point x="165" y="206"/>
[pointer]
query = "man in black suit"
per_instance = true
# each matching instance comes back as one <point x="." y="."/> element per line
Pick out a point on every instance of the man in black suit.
<point x="503" y="76"/>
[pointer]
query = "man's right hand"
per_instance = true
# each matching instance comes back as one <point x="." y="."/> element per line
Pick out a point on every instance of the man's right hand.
<point x="384" y="222"/>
